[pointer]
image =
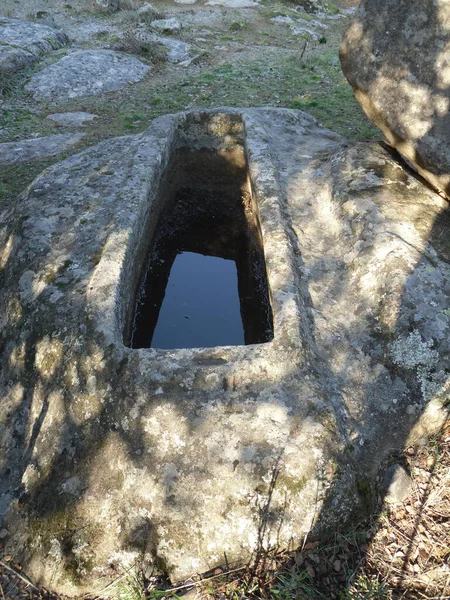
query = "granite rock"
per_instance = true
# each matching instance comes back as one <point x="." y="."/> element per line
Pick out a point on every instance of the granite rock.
<point x="166" y="25"/>
<point x="72" y="119"/>
<point x="86" y="73"/>
<point x="22" y="43"/>
<point x="176" y="51"/>
<point x="396" y="58"/>
<point x="16" y="153"/>
<point x="115" y="458"/>
<point x="396" y="484"/>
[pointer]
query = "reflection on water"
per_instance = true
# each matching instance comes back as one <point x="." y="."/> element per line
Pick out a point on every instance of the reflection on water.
<point x="201" y="306"/>
<point x="204" y="282"/>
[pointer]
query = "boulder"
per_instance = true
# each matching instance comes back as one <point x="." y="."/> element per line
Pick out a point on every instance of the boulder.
<point x="72" y="119"/>
<point x="23" y="43"/>
<point x="16" y="153"/>
<point x="115" y="458"/>
<point x="396" y="57"/>
<point x="138" y="39"/>
<point x="146" y="8"/>
<point x="86" y="73"/>
<point x="167" y="25"/>
<point x="396" y="484"/>
<point x="177" y="50"/>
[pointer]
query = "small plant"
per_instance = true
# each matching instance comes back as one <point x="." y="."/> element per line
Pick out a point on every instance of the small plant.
<point x="134" y="585"/>
<point x="5" y="84"/>
<point x="294" y="583"/>
<point x="366" y="588"/>
<point x="131" y="587"/>
<point x="238" y="25"/>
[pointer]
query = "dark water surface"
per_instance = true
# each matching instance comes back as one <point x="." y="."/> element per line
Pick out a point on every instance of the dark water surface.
<point x="203" y="283"/>
<point x="201" y="306"/>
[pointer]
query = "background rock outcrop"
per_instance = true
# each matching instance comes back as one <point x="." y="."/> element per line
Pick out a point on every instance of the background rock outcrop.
<point x="396" y="55"/>
<point x="23" y="43"/>
<point x="86" y="73"/>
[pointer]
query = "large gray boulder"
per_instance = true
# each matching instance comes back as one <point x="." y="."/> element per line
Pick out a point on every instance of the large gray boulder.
<point x="86" y="73"/>
<point x="22" y="43"/>
<point x="23" y="151"/>
<point x="396" y="55"/>
<point x="114" y="458"/>
<point x="72" y="119"/>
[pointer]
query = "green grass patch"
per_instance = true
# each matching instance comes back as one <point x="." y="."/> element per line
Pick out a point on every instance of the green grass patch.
<point x="315" y="85"/>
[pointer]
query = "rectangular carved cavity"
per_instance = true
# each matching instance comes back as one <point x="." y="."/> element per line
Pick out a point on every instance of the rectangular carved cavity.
<point x="203" y="281"/>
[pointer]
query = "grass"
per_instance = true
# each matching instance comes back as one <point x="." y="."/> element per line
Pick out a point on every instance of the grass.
<point x="14" y="179"/>
<point x="316" y="86"/>
<point x="281" y="71"/>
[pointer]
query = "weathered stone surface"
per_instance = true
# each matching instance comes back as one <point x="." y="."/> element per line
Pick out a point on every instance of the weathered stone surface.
<point x="396" y="57"/>
<point x="304" y="31"/>
<point x="167" y="25"/>
<point x="16" y="153"/>
<point x="177" y="50"/>
<point x="88" y="31"/>
<point x="112" y="457"/>
<point x="86" y="73"/>
<point x="72" y="119"/>
<point x="233" y="3"/>
<point x="22" y="43"/>
<point x="396" y="484"/>
<point x="108" y="5"/>
<point x="302" y="26"/>
<point x="146" y="8"/>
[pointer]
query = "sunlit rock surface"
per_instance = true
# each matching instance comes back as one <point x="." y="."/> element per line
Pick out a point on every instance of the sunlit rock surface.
<point x="16" y="153"/>
<point x="23" y="43"/>
<point x="112" y="457"/>
<point x="86" y="73"/>
<point x="397" y="58"/>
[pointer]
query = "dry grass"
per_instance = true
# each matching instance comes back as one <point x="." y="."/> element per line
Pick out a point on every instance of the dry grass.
<point x="410" y="548"/>
<point x="5" y="83"/>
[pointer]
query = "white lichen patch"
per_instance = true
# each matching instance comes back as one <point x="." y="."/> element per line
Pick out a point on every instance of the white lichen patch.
<point x="412" y="352"/>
